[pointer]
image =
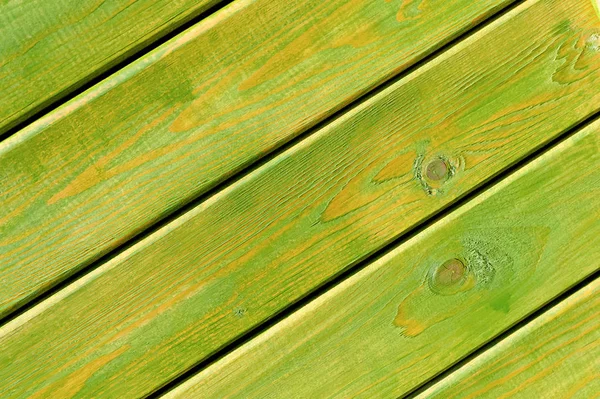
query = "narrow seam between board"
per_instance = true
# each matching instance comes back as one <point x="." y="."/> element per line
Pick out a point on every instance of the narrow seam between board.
<point x="254" y="169"/>
<point x="487" y="347"/>
<point x="371" y="264"/>
<point x="444" y="215"/>
<point x="97" y="84"/>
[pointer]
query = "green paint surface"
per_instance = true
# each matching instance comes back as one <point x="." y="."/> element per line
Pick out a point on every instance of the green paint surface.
<point x="555" y="356"/>
<point x="49" y="48"/>
<point x="91" y="175"/>
<point x="245" y="254"/>
<point x="384" y="331"/>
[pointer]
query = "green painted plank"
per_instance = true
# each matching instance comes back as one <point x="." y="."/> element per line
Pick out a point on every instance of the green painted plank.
<point x="557" y="355"/>
<point x="413" y="313"/>
<point x="49" y="48"/>
<point x="90" y="176"/>
<point x="249" y="251"/>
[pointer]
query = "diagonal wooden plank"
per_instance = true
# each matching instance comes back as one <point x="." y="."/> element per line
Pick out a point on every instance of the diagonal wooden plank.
<point x="112" y="162"/>
<point x="183" y="293"/>
<point x="437" y="297"/>
<point x="49" y="48"/>
<point x="555" y="356"/>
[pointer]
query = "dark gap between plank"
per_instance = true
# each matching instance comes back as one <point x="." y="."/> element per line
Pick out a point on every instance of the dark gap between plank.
<point x="351" y="269"/>
<point x="246" y="169"/>
<point x="503" y="335"/>
<point x="138" y="51"/>
<point x="378" y="254"/>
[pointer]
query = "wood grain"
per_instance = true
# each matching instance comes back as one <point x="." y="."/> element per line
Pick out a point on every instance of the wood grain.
<point x="398" y="322"/>
<point x="267" y="240"/>
<point x="48" y="48"/>
<point x="555" y="356"/>
<point x="169" y="127"/>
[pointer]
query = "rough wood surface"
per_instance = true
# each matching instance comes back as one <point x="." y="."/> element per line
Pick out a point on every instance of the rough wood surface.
<point x="411" y="314"/>
<point x="88" y="177"/>
<point x="555" y="356"/>
<point x="47" y="48"/>
<point x="248" y="252"/>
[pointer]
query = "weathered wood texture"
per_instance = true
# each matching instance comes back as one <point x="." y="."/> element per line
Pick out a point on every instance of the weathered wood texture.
<point x="555" y="356"/>
<point x="404" y="319"/>
<point x="164" y="130"/>
<point x="252" y="249"/>
<point x="48" y="48"/>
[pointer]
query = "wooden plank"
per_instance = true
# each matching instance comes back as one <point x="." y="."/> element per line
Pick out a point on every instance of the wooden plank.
<point x="251" y="250"/>
<point x="93" y="174"/>
<point x="412" y="314"/>
<point x="48" y="48"/>
<point x="555" y="356"/>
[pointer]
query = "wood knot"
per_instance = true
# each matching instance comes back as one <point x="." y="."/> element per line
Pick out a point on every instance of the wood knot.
<point x="434" y="173"/>
<point x="437" y="170"/>
<point x="450" y="277"/>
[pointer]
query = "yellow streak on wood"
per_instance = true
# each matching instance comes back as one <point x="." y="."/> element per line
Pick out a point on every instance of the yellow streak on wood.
<point x="68" y="387"/>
